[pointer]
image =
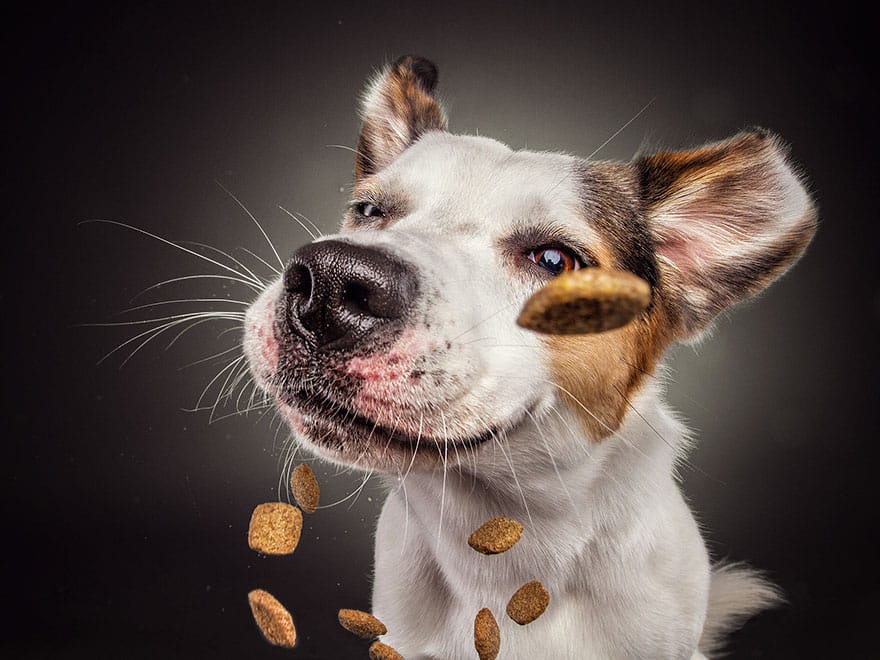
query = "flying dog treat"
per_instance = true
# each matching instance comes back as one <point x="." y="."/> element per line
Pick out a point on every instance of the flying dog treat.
<point x="528" y="603"/>
<point x="275" y="528"/>
<point x="380" y="651"/>
<point x="487" y="637"/>
<point x="361" y="623"/>
<point x="496" y="536"/>
<point x="584" y="301"/>
<point x="305" y="488"/>
<point x="274" y="621"/>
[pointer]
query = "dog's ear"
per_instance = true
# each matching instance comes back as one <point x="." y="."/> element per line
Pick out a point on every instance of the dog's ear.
<point x="397" y="108"/>
<point x="726" y="220"/>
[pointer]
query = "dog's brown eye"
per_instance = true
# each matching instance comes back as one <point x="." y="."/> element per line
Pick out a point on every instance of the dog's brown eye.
<point x="555" y="260"/>
<point x="369" y="210"/>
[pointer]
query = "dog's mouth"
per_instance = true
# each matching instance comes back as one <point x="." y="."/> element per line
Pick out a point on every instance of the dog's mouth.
<point x="345" y="435"/>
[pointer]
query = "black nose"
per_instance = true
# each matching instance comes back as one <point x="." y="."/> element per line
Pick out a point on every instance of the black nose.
<point x="338" y="294"/>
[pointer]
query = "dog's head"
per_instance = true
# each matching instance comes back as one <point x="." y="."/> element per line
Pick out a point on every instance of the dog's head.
<point x="393" y="343"/>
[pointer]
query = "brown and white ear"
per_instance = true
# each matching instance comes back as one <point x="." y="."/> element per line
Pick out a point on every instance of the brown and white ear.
<point x="398" y="106"/>
<point x="726" y="219"/>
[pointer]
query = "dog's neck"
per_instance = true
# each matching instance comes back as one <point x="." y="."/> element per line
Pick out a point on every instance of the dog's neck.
<point x="569" y="493"/>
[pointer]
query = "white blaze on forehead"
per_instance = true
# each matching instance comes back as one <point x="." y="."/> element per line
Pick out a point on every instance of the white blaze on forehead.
<point x="474" y="185"/>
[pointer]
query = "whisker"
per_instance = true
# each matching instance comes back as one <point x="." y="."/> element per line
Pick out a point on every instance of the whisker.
<point x="194" y="277"/>
<point x="550" y="456"/>
<point x="354" y="151"/>
<point x="254" y="281"/>
<point x="237" y="262"/>
<point x="354" y="493"/>
<point x="300" y="223"/>
<point x="183" y="301"/>
<point x="515" y="480"/>
<point x="170" y="322"/>
<point x="256" y="222"/>
<point x="443" y="489"/>
<point x="482" y="321"/>
<point x="303" y="216"/>
<point x="253" y="254"/>
<point x="621" y="129"/>
<point x="232" y="316"/>
<point x="210" y="357"/>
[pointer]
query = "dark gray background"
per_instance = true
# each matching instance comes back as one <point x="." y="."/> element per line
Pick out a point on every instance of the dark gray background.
<point x="125" y="516"/>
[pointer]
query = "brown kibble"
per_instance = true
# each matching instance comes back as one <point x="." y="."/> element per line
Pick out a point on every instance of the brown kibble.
<point x="305" y="488"/>
<point x="273" y="619"/>
<point x="361" y="623"/>
<point x="528" y="603"/>
<point x="496" y="536"/>
<point x="275" y="528"/>
<point x="487" y="636"/>
<point x="586" y="301"/>
<point x="380" y="651"/>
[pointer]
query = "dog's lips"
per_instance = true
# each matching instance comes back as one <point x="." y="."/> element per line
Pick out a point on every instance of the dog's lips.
<point x="333" y="426"/>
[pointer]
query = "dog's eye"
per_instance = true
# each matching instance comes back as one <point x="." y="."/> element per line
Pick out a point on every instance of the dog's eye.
<point x="555" y="260"/>
<point x="369" y="210"/>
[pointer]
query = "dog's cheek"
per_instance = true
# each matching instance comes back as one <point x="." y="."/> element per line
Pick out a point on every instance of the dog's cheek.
<point x="598" y="375"/>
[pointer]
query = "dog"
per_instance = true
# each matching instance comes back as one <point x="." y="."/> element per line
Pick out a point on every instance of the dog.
<point x="392" y="347"/>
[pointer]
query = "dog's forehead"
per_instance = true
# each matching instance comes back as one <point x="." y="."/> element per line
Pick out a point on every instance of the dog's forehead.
<point x="483" y="182"/>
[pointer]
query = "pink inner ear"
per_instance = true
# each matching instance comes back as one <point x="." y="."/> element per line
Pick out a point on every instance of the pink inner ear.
<point x="686" y="254"/>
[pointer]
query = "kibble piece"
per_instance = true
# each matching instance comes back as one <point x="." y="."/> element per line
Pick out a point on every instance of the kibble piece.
<point x="528" y="603"/>
<point x="380" y="651"/>
<point x="496" y="536"/>
<point x="585" y="301"/>
<point x="487" y="637"/>
<point x="275" y="528"/>
<point x="274" y="621"/>
<point x="305" y="488"/>
<point x="361" y="623"/>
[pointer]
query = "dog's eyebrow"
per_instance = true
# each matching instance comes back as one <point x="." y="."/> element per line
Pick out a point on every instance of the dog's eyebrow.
<point x="546" y="234"/>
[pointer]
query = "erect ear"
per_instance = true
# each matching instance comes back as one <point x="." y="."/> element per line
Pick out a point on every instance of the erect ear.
<point x="726" y="220"/>
<point x="398" y="106"/>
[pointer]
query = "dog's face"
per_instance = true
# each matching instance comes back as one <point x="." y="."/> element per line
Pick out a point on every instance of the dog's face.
<point x="393" y="344"/>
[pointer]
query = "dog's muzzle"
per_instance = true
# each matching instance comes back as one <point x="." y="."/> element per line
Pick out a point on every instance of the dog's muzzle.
<point x="340" y="296"/>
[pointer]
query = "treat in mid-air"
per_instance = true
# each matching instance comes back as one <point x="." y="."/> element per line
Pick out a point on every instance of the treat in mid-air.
<point x="380" y="651"/>
<point x="487" y="636"/>
<point x="273" y="619"/>
<point x="496" y="536"/>
<point x="587" y="300"/>
<point x="275" y="528"/>
<point x="361" y="623"/>
<point x="305" y="488"/>
<point x="528" y="603"/>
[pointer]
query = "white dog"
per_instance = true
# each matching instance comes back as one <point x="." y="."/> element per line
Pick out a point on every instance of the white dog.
<point x="392" y="346"/>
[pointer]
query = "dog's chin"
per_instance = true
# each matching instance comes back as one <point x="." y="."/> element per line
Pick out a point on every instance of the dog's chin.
<point x="346" y="437"/>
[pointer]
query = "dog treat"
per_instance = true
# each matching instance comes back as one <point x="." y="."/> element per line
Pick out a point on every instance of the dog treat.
<point x="273" y="619"/>
<point x="528" y="603"/>
<point x="361" y="623"/>
<point x="487" y="637"/>
<point x="496" y="536"/>
<point x="305" y="488"/>
<point x="380" y="651"/>
<point x="275" y="528"/>
<point x="585" y="301"/>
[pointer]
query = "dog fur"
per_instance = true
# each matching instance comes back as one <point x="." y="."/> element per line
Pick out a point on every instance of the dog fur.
<point x="468" y="417"/>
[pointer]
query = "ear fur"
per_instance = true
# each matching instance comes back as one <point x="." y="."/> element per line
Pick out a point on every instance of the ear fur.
<point x="397" y="108"/>
<point x="726" y="220"/>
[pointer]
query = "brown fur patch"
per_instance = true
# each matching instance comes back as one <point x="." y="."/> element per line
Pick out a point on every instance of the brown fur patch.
<point x="598" y="374"/>
<point x="401" y="112"/>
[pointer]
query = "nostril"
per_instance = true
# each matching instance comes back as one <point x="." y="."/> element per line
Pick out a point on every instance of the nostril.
<point x="356" y="298"/>
<point x="298" y="281"/>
